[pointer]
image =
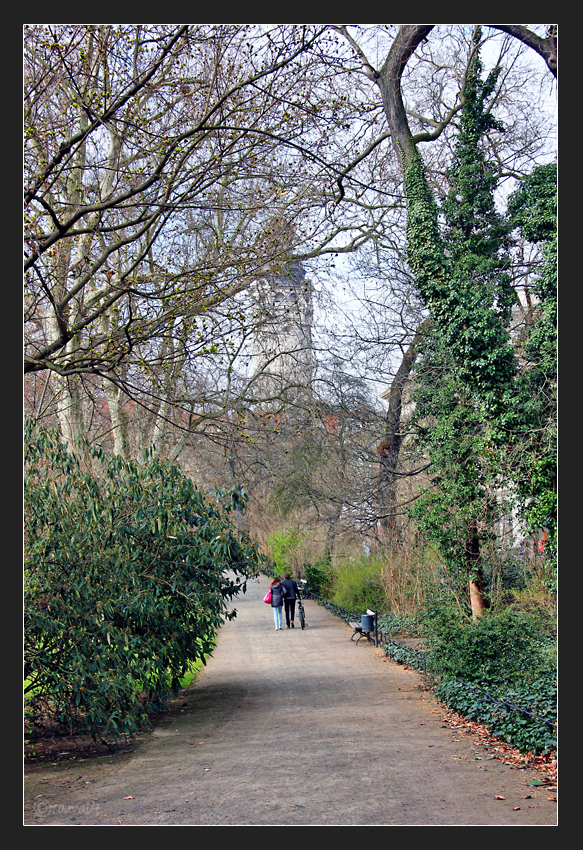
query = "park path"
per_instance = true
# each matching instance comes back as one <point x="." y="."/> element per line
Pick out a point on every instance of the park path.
<point x="302" y="728"/>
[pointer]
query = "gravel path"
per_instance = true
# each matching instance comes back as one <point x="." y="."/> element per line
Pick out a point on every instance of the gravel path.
<point x="302" y="728"/>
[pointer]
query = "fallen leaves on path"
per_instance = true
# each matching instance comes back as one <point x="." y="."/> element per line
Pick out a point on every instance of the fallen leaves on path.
<point x="544" y="765"/>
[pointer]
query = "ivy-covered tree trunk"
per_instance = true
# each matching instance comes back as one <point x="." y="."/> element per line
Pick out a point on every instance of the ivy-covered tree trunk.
<point x="465" y="380"/>
<point x="492" y="377"/>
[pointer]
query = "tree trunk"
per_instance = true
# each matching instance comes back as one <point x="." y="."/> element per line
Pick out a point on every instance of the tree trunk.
<point x="173" y="357"/>
<point x="410" y="36"/>
<point x="475" y="580"/>
<point x="119" y="420"/>
<point x="390" y="446"/>
<point x="69" y="401"/>
<point x="477" y="601"/>
<point x="389" y="83"/>
<point x="70" y="412"/>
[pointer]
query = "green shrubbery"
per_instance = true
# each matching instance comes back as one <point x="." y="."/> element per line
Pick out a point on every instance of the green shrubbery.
<point x="496" y="707"/>
<point x="400" y="624"/>
<point x="509" y="646"/>
<point x="502" y="657"/>
<point x="319" y="577"/>
<point x="357" y="585"/>
<point x="284" y="547"/>
<point x="498" y="670"/>
<point x="125" y="583"/>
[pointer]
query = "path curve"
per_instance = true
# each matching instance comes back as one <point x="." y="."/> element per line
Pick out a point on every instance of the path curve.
<point x="303" y="728"/>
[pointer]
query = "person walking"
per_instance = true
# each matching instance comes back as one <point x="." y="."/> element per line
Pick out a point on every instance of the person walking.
<point x="277" y="601"/>
<point x="291" y="593"/>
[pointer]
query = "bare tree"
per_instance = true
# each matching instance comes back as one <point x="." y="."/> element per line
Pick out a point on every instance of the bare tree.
<point x="158" y="161"/>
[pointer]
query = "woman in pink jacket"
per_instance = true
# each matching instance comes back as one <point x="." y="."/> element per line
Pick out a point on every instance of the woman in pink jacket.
<point x="277" y="601"/>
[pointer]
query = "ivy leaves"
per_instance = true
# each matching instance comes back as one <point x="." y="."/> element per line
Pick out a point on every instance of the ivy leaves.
<point x="467" y="363"/>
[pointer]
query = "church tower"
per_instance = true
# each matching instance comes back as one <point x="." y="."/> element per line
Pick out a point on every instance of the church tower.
<point x="282" y="343"/>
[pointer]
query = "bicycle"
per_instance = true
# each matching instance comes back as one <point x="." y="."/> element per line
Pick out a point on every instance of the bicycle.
<point x="301" y="612"/>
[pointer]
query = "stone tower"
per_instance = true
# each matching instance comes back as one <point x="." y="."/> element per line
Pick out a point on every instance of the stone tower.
<point x="282" y="342"/>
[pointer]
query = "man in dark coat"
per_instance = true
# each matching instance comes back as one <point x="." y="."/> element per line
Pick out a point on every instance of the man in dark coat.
<point x="290" y="595"/>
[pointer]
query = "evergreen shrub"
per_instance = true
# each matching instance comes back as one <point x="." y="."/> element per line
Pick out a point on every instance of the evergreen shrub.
<point x="127" y="576"/>
<point x="488" y="668"/>
<point x="509" y="646"/>
<point x="319" y="576"/>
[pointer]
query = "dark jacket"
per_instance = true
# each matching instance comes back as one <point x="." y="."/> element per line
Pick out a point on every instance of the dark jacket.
<point x="291" y="588"/>
<point x="276" y="595"/>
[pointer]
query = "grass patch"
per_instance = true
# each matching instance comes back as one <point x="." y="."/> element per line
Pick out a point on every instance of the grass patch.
<point x="194" y="669"/>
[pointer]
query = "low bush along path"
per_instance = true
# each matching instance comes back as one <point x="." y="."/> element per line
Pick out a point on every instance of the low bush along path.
<point x="294" y="727"/>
